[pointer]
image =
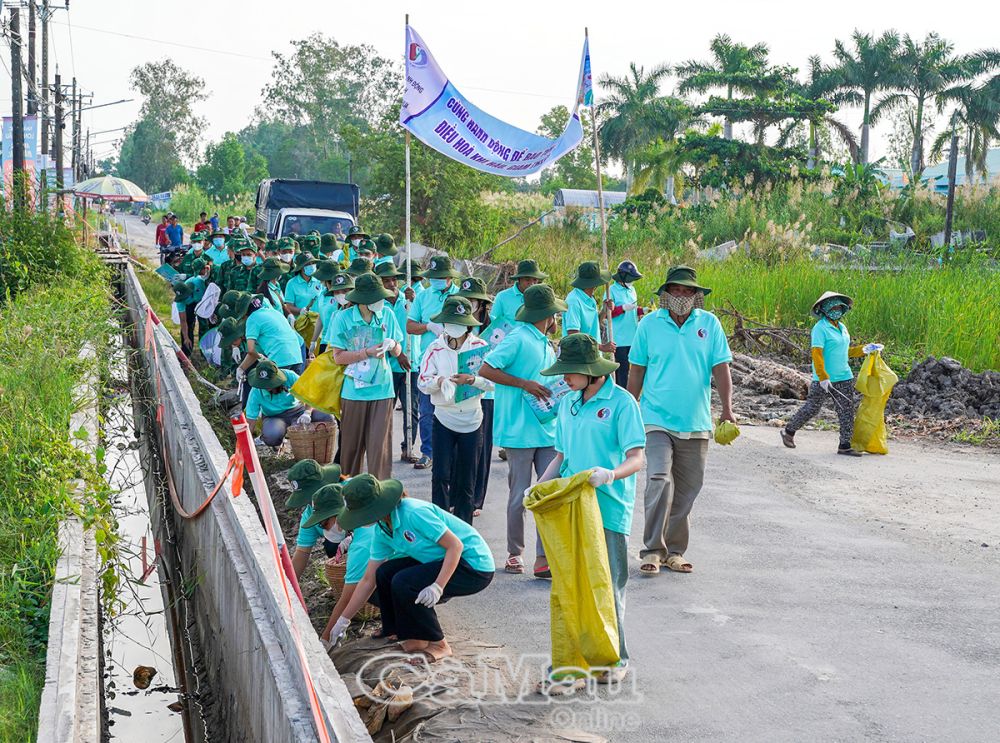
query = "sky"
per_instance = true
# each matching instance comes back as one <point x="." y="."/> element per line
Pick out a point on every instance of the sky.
<point x="515" y="60"/>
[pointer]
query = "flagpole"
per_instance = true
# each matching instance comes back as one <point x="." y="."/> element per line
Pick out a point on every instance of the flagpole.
<point x="600" y="192"/>
<point x="408" y="406"/>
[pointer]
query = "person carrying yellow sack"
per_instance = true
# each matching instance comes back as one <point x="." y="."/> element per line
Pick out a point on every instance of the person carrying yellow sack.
<point x="832" y="375"/>
<point x="599" y="428"/>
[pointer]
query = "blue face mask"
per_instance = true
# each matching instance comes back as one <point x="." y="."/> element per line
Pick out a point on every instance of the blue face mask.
<point x="309" y="270"/>
<point x="439" y="284"/>
<point x="835" y="314"/>
<point x="246" y="260"/>
<point x="218" y="242"/>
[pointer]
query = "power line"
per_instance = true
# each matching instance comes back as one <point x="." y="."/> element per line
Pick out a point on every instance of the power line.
<point x="72" y="54"/>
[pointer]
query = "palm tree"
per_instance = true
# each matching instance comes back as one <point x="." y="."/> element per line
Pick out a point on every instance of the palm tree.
<point x="872" y="66"/>
<point x="634" y="113"/>
<point x="928" y="68"/>
<point x="658" y="166"/>
<point x="822" y="84"/>
<point x="977" y="111"/>
<point x="737" y="68"/>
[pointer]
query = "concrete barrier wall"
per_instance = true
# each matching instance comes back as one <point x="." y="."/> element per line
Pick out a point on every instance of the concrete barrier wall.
<point x="243" y="623"/>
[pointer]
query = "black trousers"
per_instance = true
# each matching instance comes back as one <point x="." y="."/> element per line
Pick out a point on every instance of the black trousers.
<point x="485" y="456"/>
<point x="399" y="581"/>
<point x="453" y="473"/>
<point x="399" y="386"/>
<point x="621" y="373"/>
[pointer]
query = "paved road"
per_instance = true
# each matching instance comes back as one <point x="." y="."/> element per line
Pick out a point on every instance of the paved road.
<point x="142" y="237"/>
<point x="832" y="599"/>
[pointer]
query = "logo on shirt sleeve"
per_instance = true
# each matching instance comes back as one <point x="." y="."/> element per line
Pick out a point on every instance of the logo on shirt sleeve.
<point x="409" y="536"/>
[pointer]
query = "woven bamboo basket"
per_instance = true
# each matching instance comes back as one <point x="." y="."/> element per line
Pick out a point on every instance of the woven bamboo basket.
<point x="335" y="573"/>
<point x="313" y="441"/>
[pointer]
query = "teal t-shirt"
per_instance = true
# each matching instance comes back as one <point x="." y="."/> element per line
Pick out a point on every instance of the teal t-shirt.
<point x="327" y="307"/>
<point x="581" y="315"/>
<point x="299" y="292"/>
<point x="416" y="528"/>
<point x="399" y="310"/>
<point x="523" y="353"/>
<point x="506" y="304"/>
<point x="308" y="536"/>
<point x="835" y="342"/>
<point x="428" y="304"/>
<point x="275" y="338"/>
<point x="265" y="403"/>
<point x="352" y="333"/>
<point x="677" y="390"/>
<point x="598" y="433"/>
<point x="624" y="325"/>
<point x="198" y="286"/>
<point x="275" y="296"/>
<point x="219" y="256"/>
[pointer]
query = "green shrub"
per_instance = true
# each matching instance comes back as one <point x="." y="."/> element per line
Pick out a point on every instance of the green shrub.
<point x="34" y="248"/>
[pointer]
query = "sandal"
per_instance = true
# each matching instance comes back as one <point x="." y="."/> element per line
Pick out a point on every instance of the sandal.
<point x="650" y="565"/>
<point x="562" y="687"/>
<point x="678" y="564"/>
<point x="543" y="572"/>
<point x="514" y="565"/>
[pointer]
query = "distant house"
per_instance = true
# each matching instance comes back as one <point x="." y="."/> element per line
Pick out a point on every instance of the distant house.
<point x="582" y="202"/>
<point x="937" y="175"/>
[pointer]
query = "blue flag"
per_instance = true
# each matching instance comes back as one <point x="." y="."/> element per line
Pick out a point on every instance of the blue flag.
<point x="437" y="114"/>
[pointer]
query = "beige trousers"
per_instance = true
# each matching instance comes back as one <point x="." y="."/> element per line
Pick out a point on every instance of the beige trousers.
<point x="675" y="471"/>
<point x="366" y="428"/>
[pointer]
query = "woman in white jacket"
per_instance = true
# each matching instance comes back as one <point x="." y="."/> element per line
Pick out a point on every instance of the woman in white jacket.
<point x="449" y="374"/>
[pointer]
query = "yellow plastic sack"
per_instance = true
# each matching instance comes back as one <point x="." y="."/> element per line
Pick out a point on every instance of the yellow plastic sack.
<point x="875" y="383"/>
<point x="726" y="433"/>
<point x="584" y="628"/>
<point x="320" y="384"/>
<point x="305" y="324"/>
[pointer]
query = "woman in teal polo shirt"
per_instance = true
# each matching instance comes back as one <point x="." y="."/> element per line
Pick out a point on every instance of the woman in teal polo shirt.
<point x="271" y="271"/>
<point x="307" y="477"/>
<point x="302" y="291"/>
<point x="442" y="557"/>
<point x="362" y="337"/>
<point x="600" y="429"/>
<point x="336" y="284"/>
<point x="582" y="315"/>
<point x="272" y="401"/>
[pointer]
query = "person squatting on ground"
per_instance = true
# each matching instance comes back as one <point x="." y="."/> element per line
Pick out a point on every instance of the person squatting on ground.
<point x="306" y="477"/>
<point x="458" y="415"/>
<point x="677" y="352"/>
<point x="442" y="557"/>
<point x="271" y="400"/>
<point x="515" y="366"/>
<point x="599" y="428"/>
<point x="832" y="375"/>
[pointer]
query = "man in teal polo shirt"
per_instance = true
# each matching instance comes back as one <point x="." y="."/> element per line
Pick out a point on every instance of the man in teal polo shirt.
<point x="515" y="368"/>
<point x="426" y="305"/>
<point x="677" y="352"/>
<point x="509" y="301"/>
<point x="269" y="334"/>
<point x="600" y="430"/>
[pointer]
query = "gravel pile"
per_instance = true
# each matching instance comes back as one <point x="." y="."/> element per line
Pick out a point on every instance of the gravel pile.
<point x="943" y="388"/>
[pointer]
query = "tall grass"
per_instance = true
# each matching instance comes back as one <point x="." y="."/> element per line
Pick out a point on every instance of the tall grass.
<point x="41" y="333"/>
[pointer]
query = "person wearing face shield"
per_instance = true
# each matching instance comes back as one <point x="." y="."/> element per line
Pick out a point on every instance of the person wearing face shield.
<point x="677" y="353"/>
<point x="362" y="337"/>
<point x="425" y="306"/>
<point x="515" y="367"/>
<point x="454" y="390"/>
<point x="832" y="375"/>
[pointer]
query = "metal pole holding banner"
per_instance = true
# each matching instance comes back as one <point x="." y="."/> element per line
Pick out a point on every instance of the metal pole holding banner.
<point x="600" y="198"/>
<point x="408" y="380"/>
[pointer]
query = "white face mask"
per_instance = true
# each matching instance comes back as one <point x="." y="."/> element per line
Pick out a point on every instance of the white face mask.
<point x="377" y="306"/>
<point x="287" y="257"/>
<point x="356" y="243"/>
<point x="333" y="535"/>
<point x="341" y="299"/>
<point x="455" y="331"/>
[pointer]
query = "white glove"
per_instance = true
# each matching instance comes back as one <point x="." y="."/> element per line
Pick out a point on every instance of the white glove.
<point x="304" y="420"/>
<point x="387" y="345"/>
<point x="872" y="347"/>
<point x="429" y="596"/>
<point x="237" y="355"/>
<point x="345" y="544"/>
<point x="339" y="629"/>
<point x="448" y="389"/>
<point x="629" y="307"/>
<point x="241" y="374"/>
<point x="435" y="327"/>
<point x="601" y="476"/>
<point x="826" y="385"/>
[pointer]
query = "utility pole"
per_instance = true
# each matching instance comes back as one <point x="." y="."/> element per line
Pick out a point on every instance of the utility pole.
<point x="17" y="125"/>
<point x="45" y="76"/>
<point x="72" y="141"/>
<point x="952" y="176"/>
<point x="32" y="97"/>
<point x="57" y="140"/>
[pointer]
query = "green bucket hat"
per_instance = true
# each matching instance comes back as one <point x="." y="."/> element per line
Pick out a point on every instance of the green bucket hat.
<point x="440" y="268"/>
<point x="539" y="302"/>
<point x="240" y="305"/>
<point x="589" y="275"/>
<point x="197" y="237"/>
<point x="272" y="268"/>
<point x="329" y="240"/>
<point x="326" y="270"/>
<point x="239" y="244"/>
<point x="327" y="502"/>
<point x="301" y="261"/>
<point x="286" y="244"/>
<point x="259" y="235"/>
<point x="367" y="499"/>
<point x="473" y="287"/>
<point x="368" y="289"/>
<point x="182" y="291"/>
<point x="341" y="281"/>
<point x="366" y="246"/>
<point x="271" y="246"/>
<point x="230" y="331"/>
<point x="311" y="242"/>
<point x="357" y="231"/>
<point x="196" y="265"/>
<point x="266" y="375"/>
<point x="388" y="270"/>
<point x="578" y="354"/>
<point x="218" y="233"/>
<point x="528" y="269"/>
<point x="684" y="276"/>
<point x="457" y="311"/>
<point x="385" y="245"/>
<point x="359" y="266"/>
<point x="306" y="477"/>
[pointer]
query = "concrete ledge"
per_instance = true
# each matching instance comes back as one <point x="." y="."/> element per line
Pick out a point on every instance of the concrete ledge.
<point x="241" y="617"/>
<point x="71" y="699"/>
